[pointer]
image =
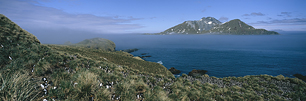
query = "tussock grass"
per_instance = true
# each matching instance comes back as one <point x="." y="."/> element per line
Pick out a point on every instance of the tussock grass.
<point x="85" y="84"/>
<point x="17" y="87"/>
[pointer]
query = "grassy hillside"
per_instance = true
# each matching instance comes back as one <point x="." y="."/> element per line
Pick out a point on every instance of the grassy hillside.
<point x="95" y="43"/>
<point x="120" y="58"/>
<point x="32" y="71"/>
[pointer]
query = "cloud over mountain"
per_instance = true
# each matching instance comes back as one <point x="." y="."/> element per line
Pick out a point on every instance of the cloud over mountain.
<point x="223" y="18"/>
<point x="297" y="21"/>
<point x="296" y="24"/>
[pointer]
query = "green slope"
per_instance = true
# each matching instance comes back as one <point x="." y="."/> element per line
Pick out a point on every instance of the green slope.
<point x="237" y="27"/>
<point x="96" y="43"/>
<point x="118" y="57"/>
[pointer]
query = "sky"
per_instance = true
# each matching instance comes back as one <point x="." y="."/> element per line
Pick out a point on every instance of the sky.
<point x="148" y="16"/>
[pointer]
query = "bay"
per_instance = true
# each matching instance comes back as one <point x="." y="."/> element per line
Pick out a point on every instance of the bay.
<point x="222" y="55"/>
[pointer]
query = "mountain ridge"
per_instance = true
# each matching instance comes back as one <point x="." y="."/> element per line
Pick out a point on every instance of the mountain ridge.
<point x="196" y="26"/>
<point x="214" y="26"/>
<point x="238" y="27"/>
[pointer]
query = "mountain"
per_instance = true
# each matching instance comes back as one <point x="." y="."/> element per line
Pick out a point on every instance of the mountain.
<point x="96" y="43"/>
<point x="237" y="27"/>
<point x="212" y="25"/>
<point x="193" y="27"/>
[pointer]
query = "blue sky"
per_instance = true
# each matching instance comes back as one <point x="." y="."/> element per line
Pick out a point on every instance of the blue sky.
<point x="149" y="16"/>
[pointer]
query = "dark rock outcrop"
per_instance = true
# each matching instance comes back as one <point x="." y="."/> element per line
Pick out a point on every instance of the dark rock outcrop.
<point x="196" y="73"/>
<point x="130" y="50"/>
<point x="145" y="56"/>
<point x="174" y="71"/>
<point x="300" y="76"/>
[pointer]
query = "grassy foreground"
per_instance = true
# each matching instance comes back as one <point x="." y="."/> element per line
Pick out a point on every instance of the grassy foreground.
<point x="32" y="71"/>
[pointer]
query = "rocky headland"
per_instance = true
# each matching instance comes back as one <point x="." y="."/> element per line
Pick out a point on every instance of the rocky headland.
<point x="130" y="50"/>
<point x="195" y="73"/>
<point x="300" y="76"/>
<point x="174" y="71"/>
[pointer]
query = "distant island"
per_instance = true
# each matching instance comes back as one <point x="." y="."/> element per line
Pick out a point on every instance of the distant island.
<point x="210" y="25"/>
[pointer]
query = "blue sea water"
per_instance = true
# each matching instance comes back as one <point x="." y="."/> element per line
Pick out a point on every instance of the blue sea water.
<point x="222" y="55"/>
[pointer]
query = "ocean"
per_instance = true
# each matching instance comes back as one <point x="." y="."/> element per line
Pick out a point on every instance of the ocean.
<point x="221" y="55"/>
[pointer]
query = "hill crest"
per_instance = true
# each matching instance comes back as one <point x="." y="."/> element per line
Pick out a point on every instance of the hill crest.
<point x="97" y="43"/>
<point x="196" y="26"/>
<point x="11" y="32"/>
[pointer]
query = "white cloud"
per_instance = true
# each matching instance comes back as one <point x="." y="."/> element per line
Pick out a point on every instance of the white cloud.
<point x="296" y="21"/>
<point x="281" y="27"/>
<point x="223" y="18"/>
<point x="286" y="14"/>
<point x="254" y="14"/>
<point x="294" y="24"/>
<point x="30" y="15"/>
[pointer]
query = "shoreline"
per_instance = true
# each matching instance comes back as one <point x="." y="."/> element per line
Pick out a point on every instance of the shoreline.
<point x="142" y="57"/>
